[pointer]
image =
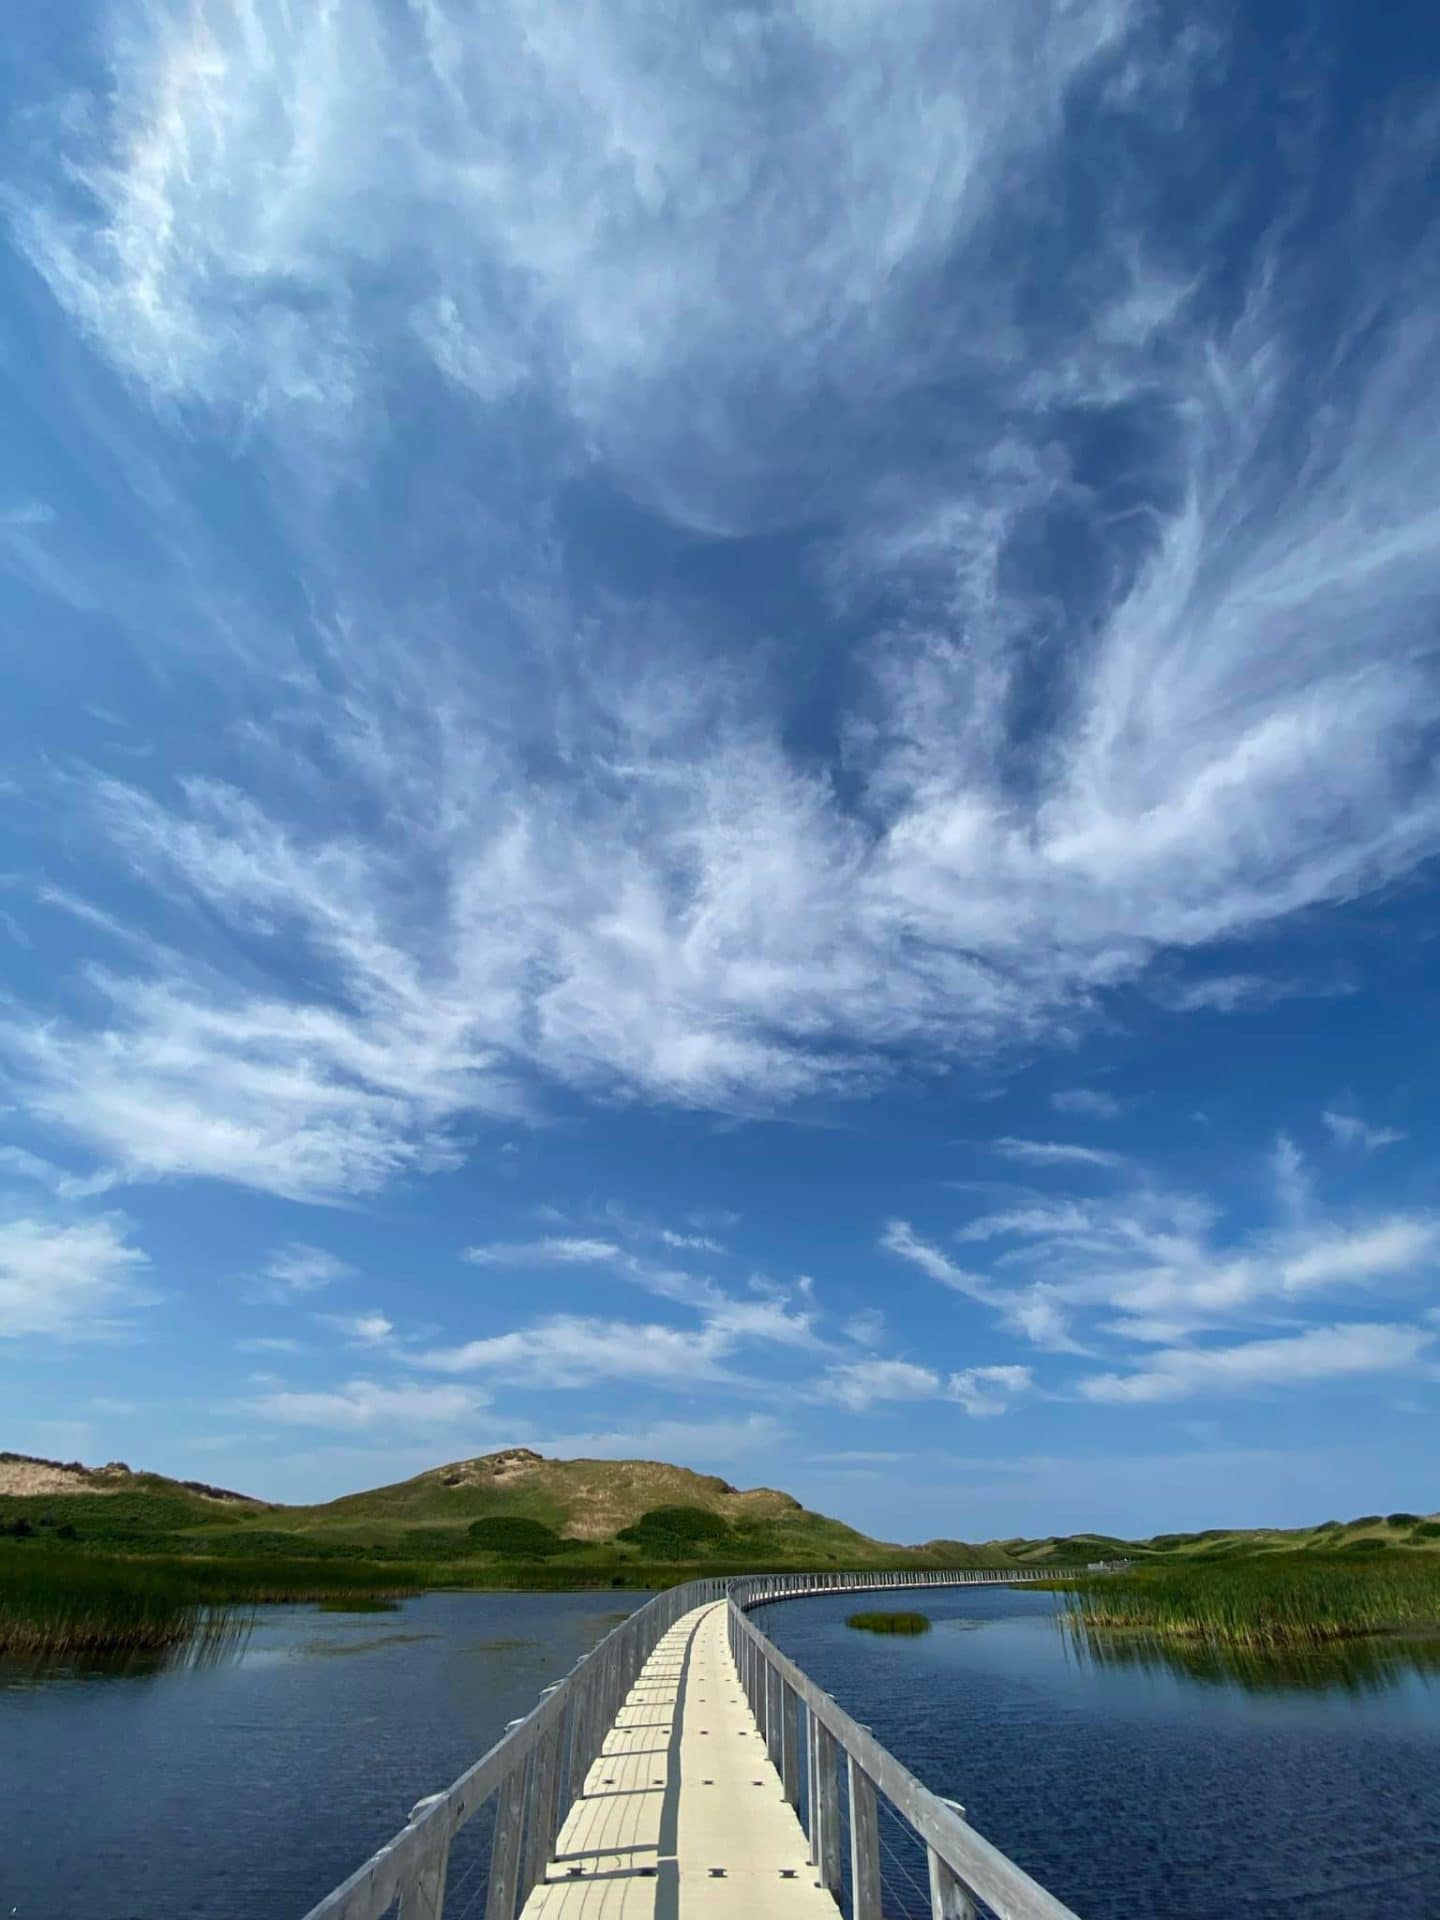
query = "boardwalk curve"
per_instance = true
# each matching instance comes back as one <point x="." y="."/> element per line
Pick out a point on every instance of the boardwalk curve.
<point x="687" y="1770"/>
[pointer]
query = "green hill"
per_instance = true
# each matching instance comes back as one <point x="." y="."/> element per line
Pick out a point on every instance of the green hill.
<point x="494" y="1511"/>
<point x="1371" y="1533"/>
<point x="514" y="1514"/>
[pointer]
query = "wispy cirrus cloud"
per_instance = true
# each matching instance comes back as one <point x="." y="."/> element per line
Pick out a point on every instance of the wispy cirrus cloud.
<point x="1297" y="1360"/>
<point x="1090" y="1103"/>
<point x="858" y="1385"/>
<point x="1056" y="1153"/>
<point x="572" y="1350"/>
<point x="1349" y="1130"/>
<point x="361" y="1405"/>
<point x="583" y="849"/>
<point x="76" y="1280"/>
<point x="299" y="1268"/>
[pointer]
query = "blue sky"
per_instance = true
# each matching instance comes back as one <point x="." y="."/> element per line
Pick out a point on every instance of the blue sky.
<point x="720" y="743"/>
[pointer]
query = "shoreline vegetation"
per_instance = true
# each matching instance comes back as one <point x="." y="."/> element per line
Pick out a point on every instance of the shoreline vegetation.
<point x="103" y="1560"/>
<point x="1269" y="1603"/>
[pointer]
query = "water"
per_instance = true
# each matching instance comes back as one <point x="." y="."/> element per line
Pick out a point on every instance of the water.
<point x="1157" y="1789"/>
<point x="1137" y="1785"/>
<point x="246" y="1789"/>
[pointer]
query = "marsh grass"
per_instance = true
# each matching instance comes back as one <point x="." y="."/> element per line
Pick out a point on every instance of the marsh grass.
<point x="1284" y="1601"/>
<point x="57" y="1604"/>
<point x="72" y="1605"/>
<point x="889" y="1622"/>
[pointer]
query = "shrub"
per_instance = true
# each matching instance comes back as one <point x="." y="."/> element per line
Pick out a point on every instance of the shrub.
<point x="889" y="1622"/>
<point x="676" y="1532"/>
<point x="516" y="1537"/>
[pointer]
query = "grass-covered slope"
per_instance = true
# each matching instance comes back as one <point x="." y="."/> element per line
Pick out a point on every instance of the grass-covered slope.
<point x="1371" y="1533"/>
<point x="509" y="1509"/>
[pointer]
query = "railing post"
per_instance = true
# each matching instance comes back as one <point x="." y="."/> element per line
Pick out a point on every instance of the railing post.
<point x="826" y="1812"/>
<point x="864" y="1845"/>
<point x="790" y="1742"/>
<point x="949" y="1899"/>
<point x="541" y="1827"/>
<point x="424" y="1898"/>
<point x="505" y="1848"/>
<point x="774" y="1742"/>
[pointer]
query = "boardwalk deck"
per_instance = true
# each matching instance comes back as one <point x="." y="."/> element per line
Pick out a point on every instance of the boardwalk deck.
<point x="682" y="1813"/>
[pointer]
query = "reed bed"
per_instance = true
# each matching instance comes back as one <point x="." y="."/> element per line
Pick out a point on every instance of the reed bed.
<point x="882" y="1621"/>
<point x="63" y="1604"/>
<point x="1270" y="1602"/>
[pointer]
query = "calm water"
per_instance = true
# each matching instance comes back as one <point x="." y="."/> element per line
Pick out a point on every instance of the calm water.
<point x="1145" y="1788"/>
<point x="245" y="1790"/>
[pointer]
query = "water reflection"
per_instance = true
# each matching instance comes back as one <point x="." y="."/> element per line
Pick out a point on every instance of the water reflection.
<point x="217" y="1638"/>
<point x="1363" y="1666"/>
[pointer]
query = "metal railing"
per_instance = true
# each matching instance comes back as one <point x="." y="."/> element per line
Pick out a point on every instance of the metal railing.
<point x="844" y="1807"/>
<point x="533" y="1775"/>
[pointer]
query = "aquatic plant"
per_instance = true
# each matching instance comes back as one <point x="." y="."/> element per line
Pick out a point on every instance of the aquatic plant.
<point x="889" y="1622"/>
<point x="1277" y="1601"/>
<point x="69" y="1604"/>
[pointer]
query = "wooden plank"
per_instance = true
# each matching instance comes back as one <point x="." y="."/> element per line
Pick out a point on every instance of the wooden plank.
<point x="424" y="1897"/>
<point x="790" y="1743"/>
<point x="541" y="1826"/>
<point x="827" y="1752"/>
<point x="864" y="1845"/>
<point x="948" y="1898"/>
<point x="504" y="1885"/>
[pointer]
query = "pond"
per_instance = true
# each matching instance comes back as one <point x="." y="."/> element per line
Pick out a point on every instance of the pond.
<point x="1133" y="1783"/>
<point x="246" y="1788"/>
<point x="1129" y="1782"/>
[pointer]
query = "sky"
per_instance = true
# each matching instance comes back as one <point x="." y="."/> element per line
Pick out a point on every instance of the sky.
<point x="720" y="743"/>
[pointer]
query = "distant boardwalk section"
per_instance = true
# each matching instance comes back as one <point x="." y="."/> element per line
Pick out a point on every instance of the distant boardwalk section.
<point x="687" y="1768"/>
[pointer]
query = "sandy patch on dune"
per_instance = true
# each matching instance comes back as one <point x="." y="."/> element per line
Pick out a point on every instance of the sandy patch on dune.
<point x="42" y="1477"/>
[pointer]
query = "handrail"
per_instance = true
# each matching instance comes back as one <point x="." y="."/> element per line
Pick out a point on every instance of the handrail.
<point x="536" y="1771"/>
<point x="963" y="1866"/>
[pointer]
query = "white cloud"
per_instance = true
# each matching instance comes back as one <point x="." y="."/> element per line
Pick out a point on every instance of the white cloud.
<point x="1235" y="992"/>
<point x="982" y="1391"/>
<point x="1040" y="1314"/>
<point x="1055" y="1153"/>
<point x="900" y="1238"/>
<point x="688" y="1242"/>
<point x="986" y="1391"/>
<point x="613" y="871"/>
<point x="859" y="1384"/>
<point x="361" y="1404"/>
<point x="1321" y="1353"/>
<point x="554" y="1251"/>
<point x="866" y="1328"/>
<point x="24" y="1165"/>
<point x="572" y="1350"/>
<point x="1349" y="1130"/>
<point x="1292" y="1179"/>
<point x="1152" y="1266"/>
<point x="1091" y="1103"/>
<point x="371" y="1329"/>
<point x="69" y="1282"/>
<point x="298" y="1269"/>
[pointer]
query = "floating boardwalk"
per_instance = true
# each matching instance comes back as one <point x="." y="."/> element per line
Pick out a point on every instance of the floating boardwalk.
<point x="687" y="1770"/>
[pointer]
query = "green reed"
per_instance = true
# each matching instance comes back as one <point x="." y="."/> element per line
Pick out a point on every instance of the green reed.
<point x="882" y="1622"/>
<point x="1280" y="1601"/>
<point x="57" y="1604"/>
